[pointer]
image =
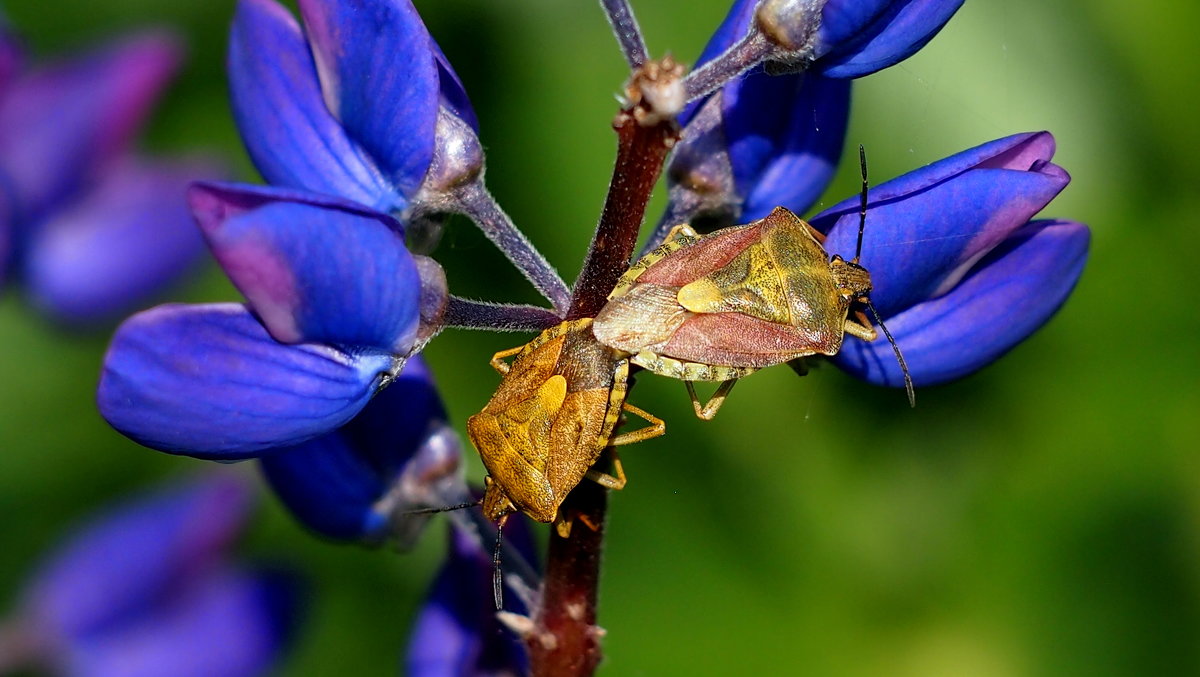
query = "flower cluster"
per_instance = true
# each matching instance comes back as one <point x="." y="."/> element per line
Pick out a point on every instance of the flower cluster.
<point x="90" y="228"/>
<point x="365" y="134"/>
<point x="961" y="273"/>
<point x="149" y="589"/>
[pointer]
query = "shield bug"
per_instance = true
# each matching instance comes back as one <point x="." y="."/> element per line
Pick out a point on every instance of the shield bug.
<point x="720" y="306"/>
<point x="550" y="419"/>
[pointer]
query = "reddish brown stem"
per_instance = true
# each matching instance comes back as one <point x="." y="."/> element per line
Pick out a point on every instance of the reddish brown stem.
<point x="565" y="641"/>
<point x="641" y="152"/>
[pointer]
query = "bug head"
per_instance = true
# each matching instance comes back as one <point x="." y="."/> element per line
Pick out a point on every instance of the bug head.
<point x="852" y="280"/>
<point x="496" y="504"/>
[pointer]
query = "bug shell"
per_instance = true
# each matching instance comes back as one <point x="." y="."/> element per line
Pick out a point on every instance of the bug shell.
<point x="549" y="420"/>
<point x="721" y="305"/>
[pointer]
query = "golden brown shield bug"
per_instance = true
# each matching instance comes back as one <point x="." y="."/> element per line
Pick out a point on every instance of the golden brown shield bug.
<point x="550" y="419"/>
<point x="720" y="306"/>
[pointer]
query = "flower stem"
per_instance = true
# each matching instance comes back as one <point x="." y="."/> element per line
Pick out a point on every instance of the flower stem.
<point x="470" y="314"/>
<point x="625" y="27"/>
<point x="565" y="640"/>
<point x="641" y="151"/>
<point x="739" y="58"/>
<point x="473" y="200"/>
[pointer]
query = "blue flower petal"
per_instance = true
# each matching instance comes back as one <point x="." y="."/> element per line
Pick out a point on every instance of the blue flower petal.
<point x="62" y="125"/>
<point x="229" y="624"/>
<point x="456" y="633"/>
<point x="1004" y="298"/>
<point x="379" y="77"/>
<point x="333" y="484"/>
<point x="454" y="95"/>
<point x="785" y="136"/>
<point x="845" y="20"/>
<point x="328" y="487"/>
<point x="926" y="228"/>
<point x="854" y="38"/>
<point x="858" y="38"/>
<point x="314" y="270"/>
<point x="291" y="136"/>
<point x="124" y="559"/>
<point x="208" y="381"/>
<point x="119" y="246"/>
<point x="12" y="56"/>
<point x="784" y="133"/>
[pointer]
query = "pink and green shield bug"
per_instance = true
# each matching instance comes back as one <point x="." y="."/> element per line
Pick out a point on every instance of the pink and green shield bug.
<point x="720" y="306"/>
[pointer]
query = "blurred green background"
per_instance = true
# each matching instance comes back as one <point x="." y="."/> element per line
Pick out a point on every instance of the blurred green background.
<point x="1039" y="518"/>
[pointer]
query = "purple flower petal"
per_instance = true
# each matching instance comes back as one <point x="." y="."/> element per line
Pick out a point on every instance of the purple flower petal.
<point x="12" y="56"/>
<point x="785" y="136"/>
<point x="230" y="624"/>
<point x="208" y="381"/>
<point x="291" y="136"/>
<point x="860" y="37"/>
<point x="117" y="247"/>
<point x="333" y="484"/>
<point x="925" y="229"/>
<point x="379" y="76"/>
<point x="456" y="633"/>
<point x="1004" y="298"/>
<point x="454" y="95"/>
<point x="314" y="270"/>
<point x="62" y="125"/>
<point x="126" y="558"/>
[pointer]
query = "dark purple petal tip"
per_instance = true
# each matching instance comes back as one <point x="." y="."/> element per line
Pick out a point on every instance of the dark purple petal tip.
<point x="313" y="270"/>
<point x="1001" y="300"/>
<point x="209" y="381"/>
<point x="63" y="124"/>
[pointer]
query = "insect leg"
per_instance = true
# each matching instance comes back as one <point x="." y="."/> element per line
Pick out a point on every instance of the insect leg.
<point x="861" y="327"/>
<point x="498" y="362"/>
<point x="799" y="366"/>
<point x="709" y="410"/>
<point x="656" y="428"/>
<point x="608" y="481"/>
<point x="682" y="230"/>
<point x="817" y="235"/>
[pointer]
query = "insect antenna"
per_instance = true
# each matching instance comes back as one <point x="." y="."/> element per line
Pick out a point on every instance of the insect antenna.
<point x="908" y="384"/>
<point x="497" y="588"/>
<point x="862" y="203"/>
<point x="519" y="567"/>
<point x="444" y="508"/>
